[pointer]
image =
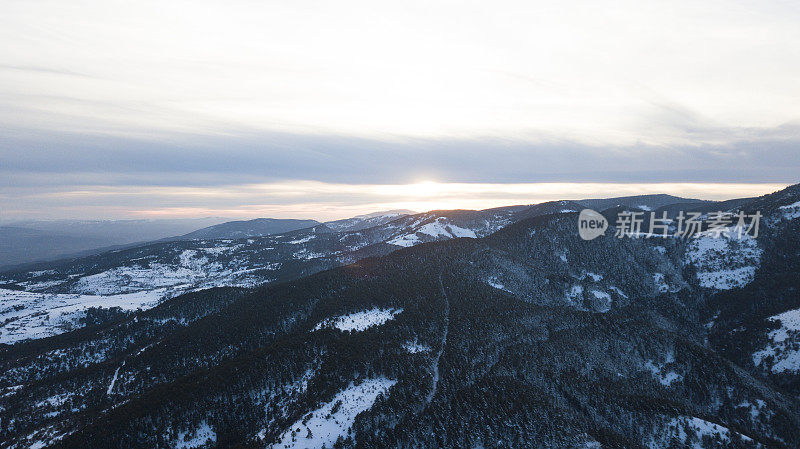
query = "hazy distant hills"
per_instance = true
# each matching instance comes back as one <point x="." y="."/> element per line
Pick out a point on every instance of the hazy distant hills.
<point x="20" y="244"/>
<point x="245" y="254"/>
<point x="37" y="240"/>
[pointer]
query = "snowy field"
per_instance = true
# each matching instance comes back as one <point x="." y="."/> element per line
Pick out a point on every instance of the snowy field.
<point x="680" y="427"/>
<point x="359" y="321"/>
<point x="438" y="229"/>
<point x="202" y="436"/>
<point x="194" y="269"/>
<point x="335" y="418"/>
<point x="26" y="315"/>
<point x="724" y="262"/>
<point x="782" y="346"/>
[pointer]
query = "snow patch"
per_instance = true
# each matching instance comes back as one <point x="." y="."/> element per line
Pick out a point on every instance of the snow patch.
<point x="359" y="321"/>
<point x="334" y="419"/>
<point x="414" y="348"/>
<point x="677" y="429"/>
<point x="724" y="262"/>
<point x="26" y="315"/>
<point x="660" y="371"/>
<point x="595" y="277"/>
<point x="791" y="211"/>
<point x="114" y="380"/>
<point x="661" y="284"/>
<point x="575" y="294"/>
<point x="305" y="239"/>
<point x="405" y="240"/>
<point x="494" y="283"/>
<point x="201" y="436"/>
<point x="782" y="348"/>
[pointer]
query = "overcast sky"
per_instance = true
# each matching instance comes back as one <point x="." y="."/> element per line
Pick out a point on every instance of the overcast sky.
<point x="323" y="109"/>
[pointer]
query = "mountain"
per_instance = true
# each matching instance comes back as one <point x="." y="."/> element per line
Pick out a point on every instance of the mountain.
<point x="142" y="276"/>
<point x="33" y="241"/>
<point x="20" y="245"/>
<point x="641" y="202"/>
<point x="524" y="336"/>
<point x="248" y="228"/>
<point x="360" y="222"/>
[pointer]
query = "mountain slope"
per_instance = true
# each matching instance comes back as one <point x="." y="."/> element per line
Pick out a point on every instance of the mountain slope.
<point x="258" y="227"/>
<point x="360" y="222"/>
<point x="528" y="337"/>
<point x="166" y="269"/>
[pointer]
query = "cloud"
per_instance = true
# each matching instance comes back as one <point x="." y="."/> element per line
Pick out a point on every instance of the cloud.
<point x="217" y="160"/>
<point x="319" y="176"/>
<point x="101" y="102"/>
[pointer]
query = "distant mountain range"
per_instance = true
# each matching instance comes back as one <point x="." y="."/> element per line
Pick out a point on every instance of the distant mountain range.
<point x="30" y="241"/>
<point x="248" y="254"/>
<point x="458" y="329"/>
<point x="258" y="227"/>
<point x="26" y="242"/>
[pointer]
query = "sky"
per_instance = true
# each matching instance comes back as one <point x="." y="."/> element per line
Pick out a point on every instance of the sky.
<point x="312" y="109"/>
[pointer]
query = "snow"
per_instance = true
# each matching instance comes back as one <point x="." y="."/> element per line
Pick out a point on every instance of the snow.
<point x="619" y="292"/>
<point x="754" y="409"/>
<point x="661" y="284"/>
<point x="414" y="348"/>
<point x="575" y="293"/>
<point x="792" y="211"/>
<point x="602" y="301"/>
<point x="56" y="400"/>
<point x="600" y="294"/>
<point x="307" y="255"/>
<point x="305" y="239"/>
<point x="436" y="229"/>
<point x="335" y="418"/>
<point x="136" y="278"/>
<point x="660" y="372"/>
<point x="494" y="283"/>
<point x="219" y="250"/>
<point x="200" y="437"/>
<point x="677" y="428"/>
<point x="114" y="380"/>
<point x="192" y="270"/>
<point x="360" y="321"/>
<point x="724" y="262"/>
<point x="405" y="240"/>
<point x="595" y="277"/>
<point x="782" y="345"/>
<point x="27" y="315"/>
<point x="727" y="279"/>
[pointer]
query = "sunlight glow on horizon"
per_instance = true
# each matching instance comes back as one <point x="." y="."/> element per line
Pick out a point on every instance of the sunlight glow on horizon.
<point x="329" y="201"/>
